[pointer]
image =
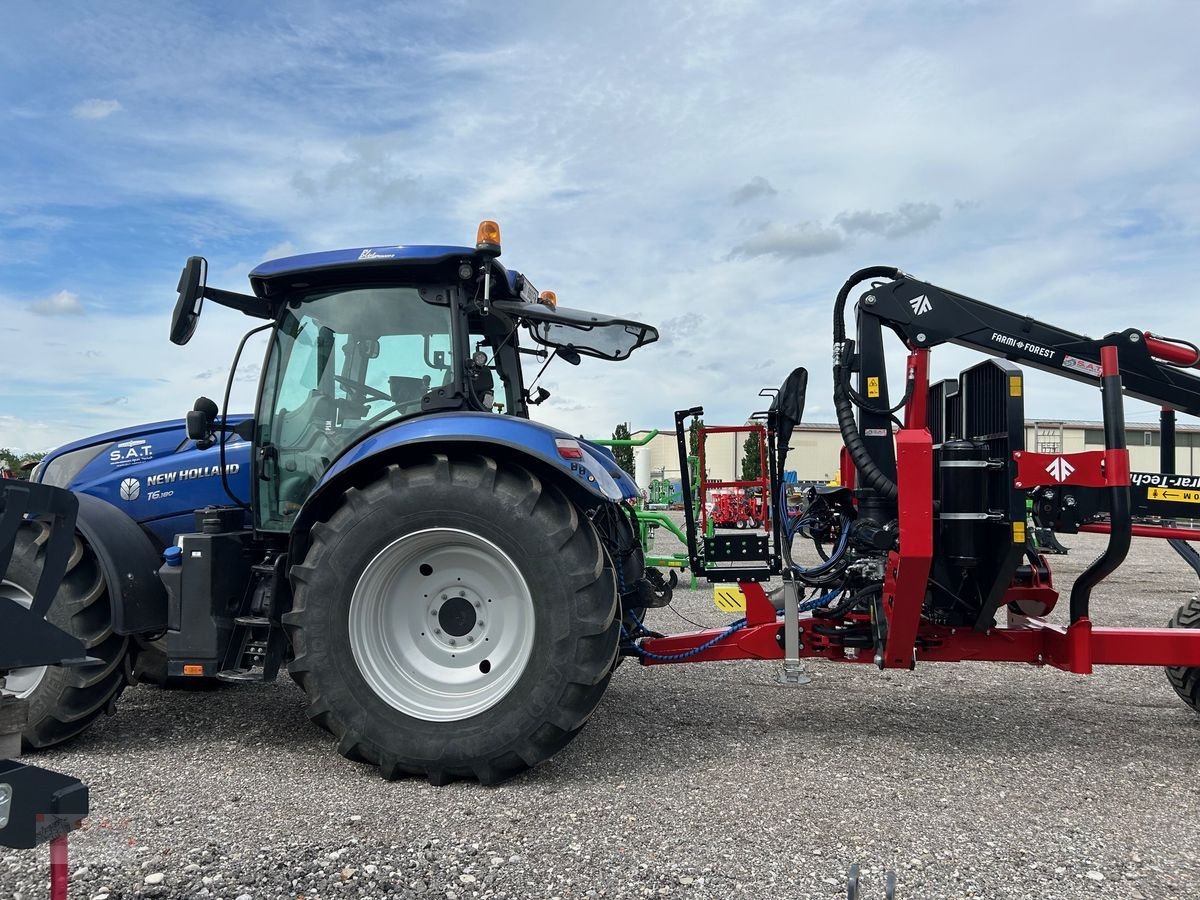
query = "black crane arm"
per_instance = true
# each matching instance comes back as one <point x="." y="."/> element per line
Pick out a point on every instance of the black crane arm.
<point x="925" y="315"/>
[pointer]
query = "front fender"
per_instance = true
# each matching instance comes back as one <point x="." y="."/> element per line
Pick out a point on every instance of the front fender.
<point x="129" y="563"/>
<point x="595" y="476"/>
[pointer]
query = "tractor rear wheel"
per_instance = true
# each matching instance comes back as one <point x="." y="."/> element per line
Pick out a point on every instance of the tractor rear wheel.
<point x="63" y="701"/>
<point x="1186" y="679"/>
<point x="453" y="619"/>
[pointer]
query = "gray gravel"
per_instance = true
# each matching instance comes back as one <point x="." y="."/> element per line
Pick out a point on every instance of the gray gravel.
<point x="691" y="781"/>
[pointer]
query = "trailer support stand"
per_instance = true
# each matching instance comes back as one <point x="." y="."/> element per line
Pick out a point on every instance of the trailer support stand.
<point x="793" y="672"/>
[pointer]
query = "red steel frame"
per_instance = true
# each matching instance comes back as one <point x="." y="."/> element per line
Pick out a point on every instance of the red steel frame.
<point x="763" y="482"/>
<point x="1074" y="648"/>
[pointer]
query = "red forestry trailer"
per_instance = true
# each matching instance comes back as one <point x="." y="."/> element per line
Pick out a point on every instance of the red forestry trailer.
<point x="924" y="551"/>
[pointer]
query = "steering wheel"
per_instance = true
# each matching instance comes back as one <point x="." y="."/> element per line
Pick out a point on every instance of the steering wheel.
<point x="363" y="390"/>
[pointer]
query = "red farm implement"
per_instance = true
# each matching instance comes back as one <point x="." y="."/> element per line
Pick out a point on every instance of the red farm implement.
<point x="736" y="503"/>
<point x="925" y="551"/>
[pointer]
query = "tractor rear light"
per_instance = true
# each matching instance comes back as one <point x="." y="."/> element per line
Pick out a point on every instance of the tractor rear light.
<point x="487" y="238"/>
<point x="548" y="298"/>
<point x="568" y="449"/>
<point x="191" y="669"/>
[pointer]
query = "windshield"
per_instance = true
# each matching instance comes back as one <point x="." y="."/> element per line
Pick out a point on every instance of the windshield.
<point x="341" y="363"/>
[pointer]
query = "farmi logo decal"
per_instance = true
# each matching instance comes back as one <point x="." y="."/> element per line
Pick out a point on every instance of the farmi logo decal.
<point x="1060" y="470"/>
<point x="920" y="305"/>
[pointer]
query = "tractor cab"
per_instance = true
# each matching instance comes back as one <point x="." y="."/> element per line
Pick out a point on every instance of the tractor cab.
<point x="362" y="339"/>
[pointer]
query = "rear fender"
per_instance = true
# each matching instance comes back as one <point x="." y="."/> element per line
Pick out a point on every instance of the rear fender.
<point x="130" y="564"/>
<point x="593" y="480"/>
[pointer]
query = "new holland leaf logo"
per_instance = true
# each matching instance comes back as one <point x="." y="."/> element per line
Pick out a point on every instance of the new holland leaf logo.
<point x="131" y="489"/>
<point x="920" y="305"/>
<point x="1060" y="470"/>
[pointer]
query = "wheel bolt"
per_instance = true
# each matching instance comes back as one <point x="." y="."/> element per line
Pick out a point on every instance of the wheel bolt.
<point x="462" y="593"/>
<point x="481" y="623"/>
<point x="452" y="642"/>
<point x="437" y="631"/>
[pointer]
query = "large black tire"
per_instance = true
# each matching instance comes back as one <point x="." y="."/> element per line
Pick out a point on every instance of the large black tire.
<point x="68" y="699"/>
<point x="574" y="607"/>
<point x="1186" y="679"/>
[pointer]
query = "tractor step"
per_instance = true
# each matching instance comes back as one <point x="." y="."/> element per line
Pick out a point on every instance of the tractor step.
<point x="257" y="645"/>
<point x="253" y="621"/>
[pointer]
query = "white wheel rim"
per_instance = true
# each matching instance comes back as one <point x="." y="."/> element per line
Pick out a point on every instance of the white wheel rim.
<point x="20" y="682"/>
<point x="441" y="624"/>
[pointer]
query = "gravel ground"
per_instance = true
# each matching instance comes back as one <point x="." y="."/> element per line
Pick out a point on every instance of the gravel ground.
<point x="691" y="781"/>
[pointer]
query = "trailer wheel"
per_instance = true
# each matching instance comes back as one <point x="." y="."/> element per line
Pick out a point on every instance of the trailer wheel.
<point x="455" y="619"/>
<point x="63" y="701"/>
<point x="1186" y="679"/>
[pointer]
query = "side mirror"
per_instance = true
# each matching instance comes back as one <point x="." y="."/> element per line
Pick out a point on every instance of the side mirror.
<point x="200" y="422"/>
<point x="570" y="356"/>
<point x="540" y="396"/>
<point x="788" y="407"/>
<point x="192" y="281"/>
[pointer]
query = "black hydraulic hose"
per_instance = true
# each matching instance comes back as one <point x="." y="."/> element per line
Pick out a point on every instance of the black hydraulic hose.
<point x="1120" y="518"/>
<point x="842" y="403"/>
<point x="862" y="404"/>
<point x="836" y="612"/>
<point x="225" y="413"/>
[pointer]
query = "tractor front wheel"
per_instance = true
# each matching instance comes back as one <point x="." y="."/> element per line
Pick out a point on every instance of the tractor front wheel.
<point x="453" y="619"/>
<point x="1186" y="679"/>
<point x="65" y="700"/>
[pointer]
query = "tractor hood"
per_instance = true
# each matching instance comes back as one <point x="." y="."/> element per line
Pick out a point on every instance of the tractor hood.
<point x="153" y="473"/>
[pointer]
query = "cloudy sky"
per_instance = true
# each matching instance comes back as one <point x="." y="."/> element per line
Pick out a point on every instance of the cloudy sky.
<point x="714" y="168"/>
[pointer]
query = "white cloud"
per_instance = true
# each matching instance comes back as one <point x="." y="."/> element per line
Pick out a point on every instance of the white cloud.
<point x="797" y="242"/>
<point x="62" y="303"/>
<point x="95" y="109"/>
<point x="753" y="189"/>
<point x="909" y="218"/>
<point x="614" y="143"/>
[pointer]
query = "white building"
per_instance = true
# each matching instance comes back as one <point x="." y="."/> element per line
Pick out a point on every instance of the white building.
<point x="815" y="448"/>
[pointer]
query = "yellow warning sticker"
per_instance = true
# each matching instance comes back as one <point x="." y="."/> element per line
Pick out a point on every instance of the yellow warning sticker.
<point x="873" y="386"/>
<point x="1018" y="532"/>
<point x="1014" y="385"/>
<point x="729" y="598"/>
<point x="1173" y="495"/>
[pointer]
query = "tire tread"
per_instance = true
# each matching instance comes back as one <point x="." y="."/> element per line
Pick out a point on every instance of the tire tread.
<point x="1185" y="680"/>
<point x="584" y="666"/>
<point x="82" y="608"/>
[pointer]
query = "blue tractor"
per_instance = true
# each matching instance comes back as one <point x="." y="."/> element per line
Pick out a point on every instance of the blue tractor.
<point x="445" y="578"/>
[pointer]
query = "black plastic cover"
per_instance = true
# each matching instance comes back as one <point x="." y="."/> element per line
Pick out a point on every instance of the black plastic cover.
<point x="42" y="805"/>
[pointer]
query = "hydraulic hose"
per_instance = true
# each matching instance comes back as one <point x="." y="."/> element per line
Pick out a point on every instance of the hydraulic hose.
<point x="225" y="413"/>
<point x="871" y="473"/>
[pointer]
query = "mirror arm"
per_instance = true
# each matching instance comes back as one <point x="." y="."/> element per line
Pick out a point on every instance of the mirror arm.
<point x="244" y="303"/>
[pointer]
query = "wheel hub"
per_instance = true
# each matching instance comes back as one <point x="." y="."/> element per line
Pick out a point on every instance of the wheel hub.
<point x="441" y="624"/>
<point x="457" y="615"/>
<point x="20" y="682"/>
